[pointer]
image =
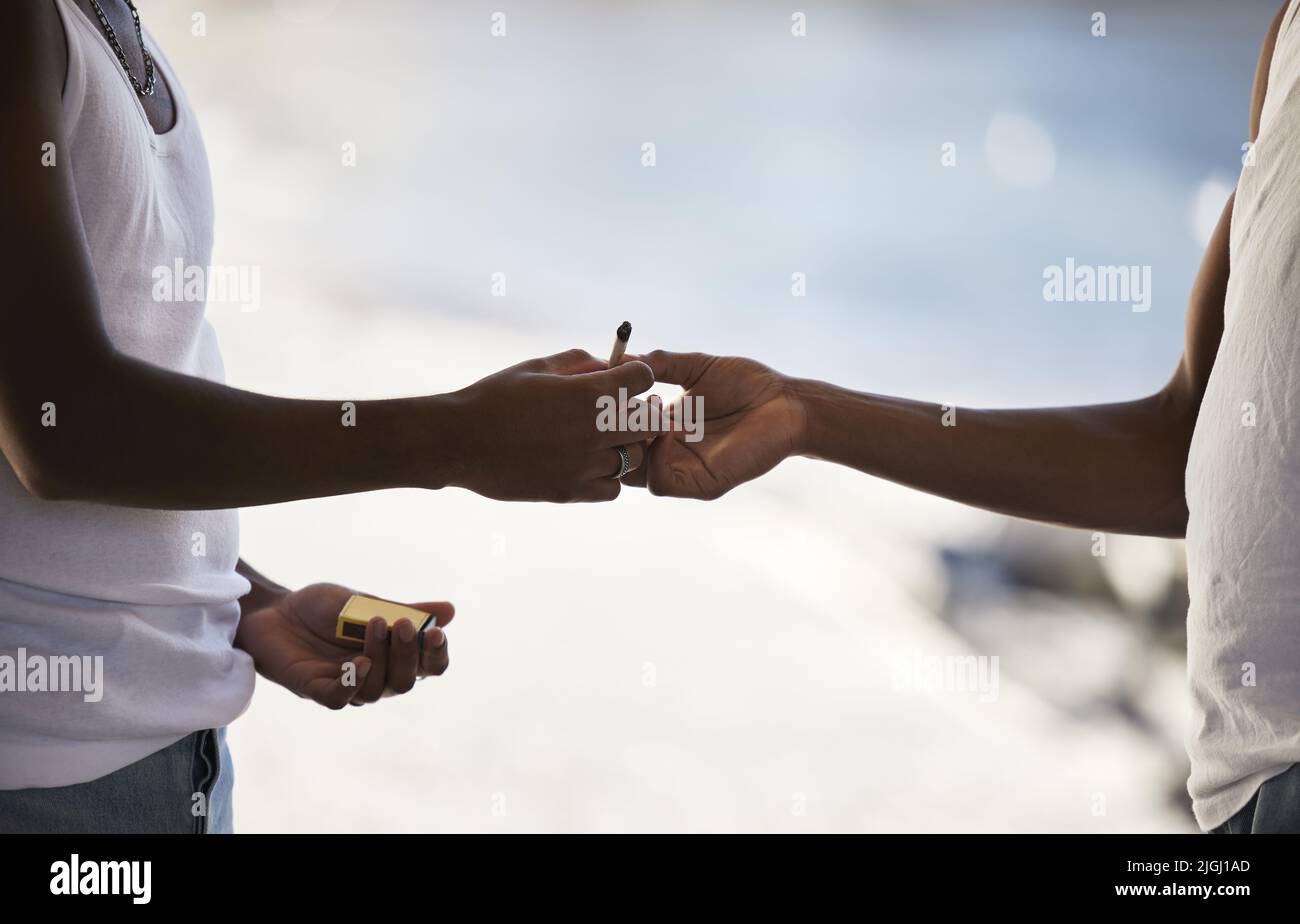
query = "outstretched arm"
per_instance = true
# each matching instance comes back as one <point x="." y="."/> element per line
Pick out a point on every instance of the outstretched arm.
<point x="81" y="420"/>
<point x="1113" y="467"/>
<point x="1116" y="467"/>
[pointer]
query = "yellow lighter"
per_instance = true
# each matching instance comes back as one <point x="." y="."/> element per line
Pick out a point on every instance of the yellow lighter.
<point x="359" y="610"/>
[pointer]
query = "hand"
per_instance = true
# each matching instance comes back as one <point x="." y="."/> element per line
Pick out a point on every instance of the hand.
<point x="530" y="431"/>
<point x="292" y="643"/>
<point x="752" y="421"/>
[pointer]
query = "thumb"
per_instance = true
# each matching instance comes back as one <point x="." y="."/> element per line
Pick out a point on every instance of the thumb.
<point x="443" y="611"/>
<point x="635" y="376"/>
<point x="684" y="369"/>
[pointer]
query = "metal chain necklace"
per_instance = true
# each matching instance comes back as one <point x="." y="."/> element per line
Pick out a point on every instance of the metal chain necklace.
<point x="149" y="76"/>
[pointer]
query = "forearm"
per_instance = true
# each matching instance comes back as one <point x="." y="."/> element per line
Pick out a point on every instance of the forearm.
<point x="138" y="435"/>
<point x="1115" y="467"/>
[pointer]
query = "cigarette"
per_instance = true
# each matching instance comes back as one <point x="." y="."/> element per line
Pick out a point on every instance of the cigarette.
<point x="620" y="343"/>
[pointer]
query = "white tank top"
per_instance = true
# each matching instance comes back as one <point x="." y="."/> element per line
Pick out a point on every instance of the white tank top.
<point x="152" y="591"/>
<point x="1243" y="482"/>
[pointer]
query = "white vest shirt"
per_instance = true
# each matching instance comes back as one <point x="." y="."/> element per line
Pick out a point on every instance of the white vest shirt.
<point x="1243" y="482"/>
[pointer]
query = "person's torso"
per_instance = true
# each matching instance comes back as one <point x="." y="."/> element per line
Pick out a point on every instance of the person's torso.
<point x="146" y="206"/>
<point x="144" y="602"/>
<point x="1243" y="480"/>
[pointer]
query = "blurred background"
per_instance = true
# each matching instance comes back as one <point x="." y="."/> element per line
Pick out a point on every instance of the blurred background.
<point x="673" y="666"/>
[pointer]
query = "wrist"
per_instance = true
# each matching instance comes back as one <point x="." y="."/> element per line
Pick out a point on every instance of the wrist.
<point x="428" y="441"/>
<point x="447" y="436"/>
<point x="810" y="400"/>
<point x="247" y="629"/>
<point x="262" y="592"/>
<point x="260" y="597"/>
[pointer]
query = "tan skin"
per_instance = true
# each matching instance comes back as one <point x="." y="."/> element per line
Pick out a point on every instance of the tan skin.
<point x="132" y="434"/>
<point x="1117" y="467"/>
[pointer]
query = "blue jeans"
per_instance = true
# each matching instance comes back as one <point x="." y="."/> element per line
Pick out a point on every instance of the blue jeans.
<point x="156" y="795"/>
<point x="1274" y="809"/>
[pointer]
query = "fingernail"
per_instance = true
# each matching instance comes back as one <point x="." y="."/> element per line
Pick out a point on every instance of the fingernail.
<point x="405" y="630"/>
<point x="381" y="630"/>
<point x="439" y="639"/>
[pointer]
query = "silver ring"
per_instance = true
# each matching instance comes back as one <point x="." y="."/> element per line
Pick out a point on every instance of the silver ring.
<point x="624" y="462"/>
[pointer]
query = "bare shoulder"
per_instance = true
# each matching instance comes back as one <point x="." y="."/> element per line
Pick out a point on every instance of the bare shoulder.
<point x="35" y="63"/>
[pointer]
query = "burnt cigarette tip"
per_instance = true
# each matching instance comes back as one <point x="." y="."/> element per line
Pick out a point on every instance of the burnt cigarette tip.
<point x="624" y="331"/>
